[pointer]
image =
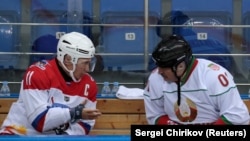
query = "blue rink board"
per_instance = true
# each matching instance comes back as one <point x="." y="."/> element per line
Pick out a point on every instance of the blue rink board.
<point x="15" y="95"/>
<point x="67" y="138"/>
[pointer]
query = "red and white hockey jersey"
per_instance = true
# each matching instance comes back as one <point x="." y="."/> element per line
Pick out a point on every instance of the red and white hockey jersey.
<point x="44" y="102"/>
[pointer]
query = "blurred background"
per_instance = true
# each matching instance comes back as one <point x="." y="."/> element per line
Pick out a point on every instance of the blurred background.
<point x="124" y="34"/>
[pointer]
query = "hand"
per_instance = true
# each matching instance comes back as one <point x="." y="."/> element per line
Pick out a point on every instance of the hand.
<point x="80" y="112"/>
<point x="170" y="122"/>
<point x="90" y="114"/>
<point x="165" y="120"/>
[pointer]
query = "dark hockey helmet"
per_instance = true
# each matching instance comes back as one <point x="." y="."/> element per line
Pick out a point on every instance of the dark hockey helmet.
<point x="171" y="51"/>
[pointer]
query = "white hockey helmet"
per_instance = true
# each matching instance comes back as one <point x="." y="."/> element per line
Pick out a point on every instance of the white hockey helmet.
<point x="76" y="45"/>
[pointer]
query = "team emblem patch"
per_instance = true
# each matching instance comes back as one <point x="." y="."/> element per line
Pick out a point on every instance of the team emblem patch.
<point x="66" y="98"/>
<point x="41" y="64"/>
<point x="214" y="66"/>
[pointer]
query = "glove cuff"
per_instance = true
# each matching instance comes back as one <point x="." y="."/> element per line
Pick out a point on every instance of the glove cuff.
<point x="76" y="113"/>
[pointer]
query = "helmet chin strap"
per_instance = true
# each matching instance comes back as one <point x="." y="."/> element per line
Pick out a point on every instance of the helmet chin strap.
<point x="71" y="72"/>
<point x="179" y="90"/>
<point x="178" y="87"/>
<point x="179" y="81"/>
<point x="72" y="75"/>
<point x="174" y="69"/>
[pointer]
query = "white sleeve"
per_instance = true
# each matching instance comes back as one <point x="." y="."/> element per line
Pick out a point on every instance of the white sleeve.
<point x="233" y="108"/>
<point x="153" y="98"/>
<point x="226" y="97"/>
<point x="37" y="108"/>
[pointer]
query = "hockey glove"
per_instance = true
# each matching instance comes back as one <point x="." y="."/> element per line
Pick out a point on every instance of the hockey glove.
<point x="76" y="113"/>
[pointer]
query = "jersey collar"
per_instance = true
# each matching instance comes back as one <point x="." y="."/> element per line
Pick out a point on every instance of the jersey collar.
<point x="189" y="70"/>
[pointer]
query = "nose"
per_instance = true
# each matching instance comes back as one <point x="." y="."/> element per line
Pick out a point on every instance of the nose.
<point x="87" y="68"/>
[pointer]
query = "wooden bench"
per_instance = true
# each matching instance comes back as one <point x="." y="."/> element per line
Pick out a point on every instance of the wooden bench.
<point x="117" y="117"/>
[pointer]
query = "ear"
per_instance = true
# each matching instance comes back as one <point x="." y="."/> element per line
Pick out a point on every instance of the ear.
<point x="180" y="68"/>
<point x="67" y="60"/>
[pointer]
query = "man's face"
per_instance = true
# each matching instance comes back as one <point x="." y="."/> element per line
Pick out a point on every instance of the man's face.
<point x="82" y="67"/>
<point x="169" y="75"/>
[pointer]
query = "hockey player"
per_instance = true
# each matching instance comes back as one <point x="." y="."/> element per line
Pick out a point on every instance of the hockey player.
<point x="187" y="90"/>
<point x="57" y="96"/>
